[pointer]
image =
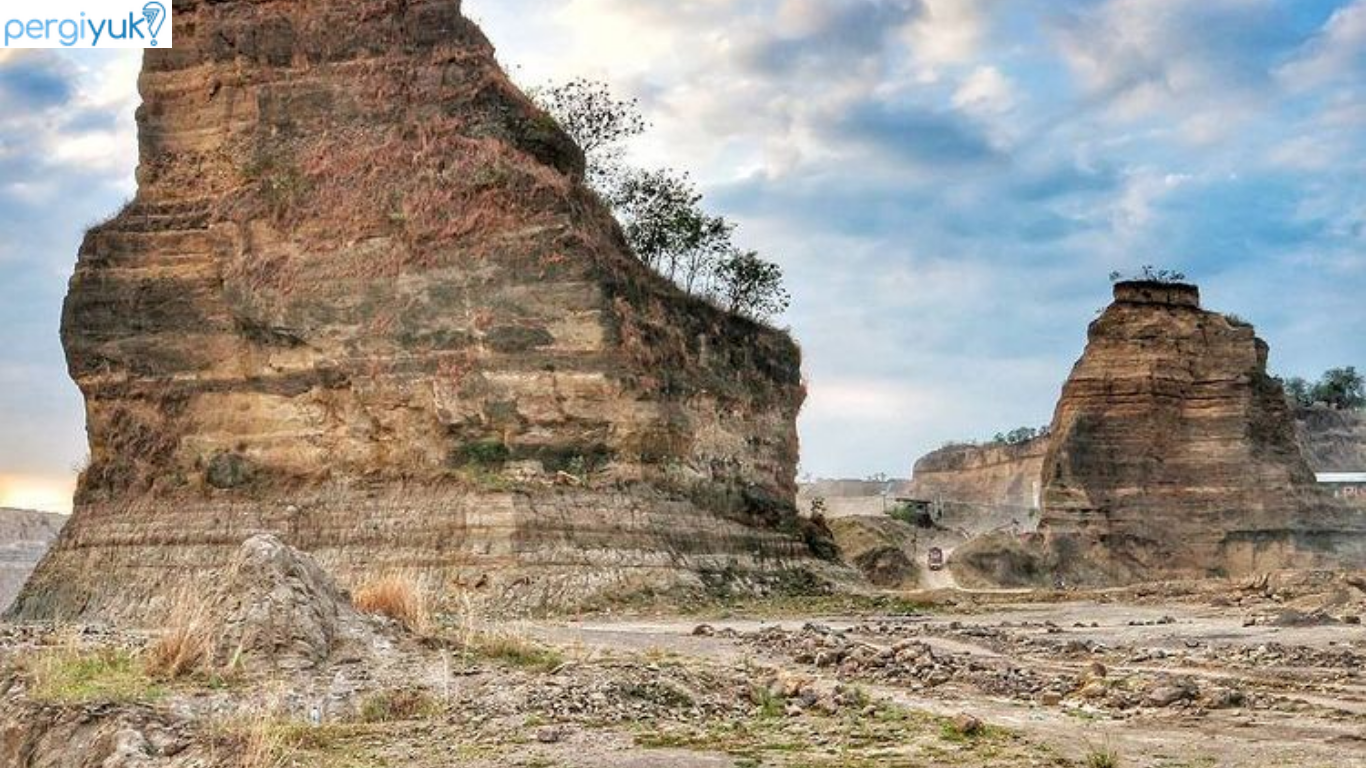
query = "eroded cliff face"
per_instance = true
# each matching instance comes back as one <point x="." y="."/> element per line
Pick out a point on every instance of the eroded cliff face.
<point x="1173" y="453"/>
<point x="993" y="475"/>
<point x="362" y="300"/>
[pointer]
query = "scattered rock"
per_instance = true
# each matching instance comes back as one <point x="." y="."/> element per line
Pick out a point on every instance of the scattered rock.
<point x="967" y="725"/>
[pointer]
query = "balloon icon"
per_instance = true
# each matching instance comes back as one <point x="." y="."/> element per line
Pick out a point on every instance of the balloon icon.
<point x="156" y="17"/>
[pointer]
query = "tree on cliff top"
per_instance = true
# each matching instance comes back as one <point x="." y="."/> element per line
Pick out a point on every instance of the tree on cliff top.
<point x="1341" y="388"/>
<point x="1150" y="274"/>
<point x="661" y="210"/>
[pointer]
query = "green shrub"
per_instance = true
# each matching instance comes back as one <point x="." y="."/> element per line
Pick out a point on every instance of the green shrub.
<point x="486" y="453"/>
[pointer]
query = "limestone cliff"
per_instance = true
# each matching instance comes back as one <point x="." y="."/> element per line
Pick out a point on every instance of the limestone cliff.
<point x="363" y="300"/>
<point x="1173" y="453"/>
<point x="24" y="537"/>
<point x="995" y="474"/>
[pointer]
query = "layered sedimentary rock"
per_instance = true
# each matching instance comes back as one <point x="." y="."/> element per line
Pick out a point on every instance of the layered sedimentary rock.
<point x="1173" y="453"/>
<point x="24" y="538"/>
<point x="362" y="300"/>
<point x="995" y="474"/>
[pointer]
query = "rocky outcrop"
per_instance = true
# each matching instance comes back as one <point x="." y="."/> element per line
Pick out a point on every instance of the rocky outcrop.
<point x="363" y="300"/>
<point x="881" y="548"/>
<point x="1333" y="440"/>
<point x="1173" y="453"/>
<point x="276" y="606"/>
<point x="24" y="537"/>
<point x="996" y="474"/>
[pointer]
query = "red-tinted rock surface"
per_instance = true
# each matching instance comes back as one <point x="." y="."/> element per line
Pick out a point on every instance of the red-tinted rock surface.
<point x="363" y="301"/>
<point x="1173" y="453"/>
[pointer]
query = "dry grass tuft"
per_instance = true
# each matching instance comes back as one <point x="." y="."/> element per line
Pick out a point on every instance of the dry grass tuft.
<point x="259" y="741"/>
<point x="398" y="597"/>
<point x="187" y="645"/>
<point x="261" y="747"/>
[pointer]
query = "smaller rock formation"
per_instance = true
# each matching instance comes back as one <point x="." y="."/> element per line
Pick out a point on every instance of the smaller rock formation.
<point x="24" y="538"/>
<point x="1001" y="560"/>
<point x="278" y="606"/>
<point x="996" y="474"/>
<point x="881" y="548"/>
<point x="1173" y="453"/>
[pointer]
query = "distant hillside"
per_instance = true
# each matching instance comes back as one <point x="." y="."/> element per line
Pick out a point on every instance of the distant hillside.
<point x="24" y="537"/>
<point x="1333" y="441"/>
<point x="851" y="497"/>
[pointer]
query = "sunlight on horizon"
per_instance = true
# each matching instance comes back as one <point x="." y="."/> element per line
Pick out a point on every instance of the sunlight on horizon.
<point x="39" y="493"/>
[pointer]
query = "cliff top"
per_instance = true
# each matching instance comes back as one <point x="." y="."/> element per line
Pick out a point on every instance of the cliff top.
<point x="959" y="455"/>
<point x="1157" y="292"/>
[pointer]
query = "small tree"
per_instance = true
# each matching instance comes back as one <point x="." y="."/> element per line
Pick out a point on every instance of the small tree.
<point x="1020" y="435"/>
<point x="751" y="286"/>
<point x="1340" y="388"/>
<point x="663" y="219"/>
<point x="597" y="121"/>
<point x="1298" y="391"/>
<point x="1151" y="274"/>
<point x="661" y="211"/>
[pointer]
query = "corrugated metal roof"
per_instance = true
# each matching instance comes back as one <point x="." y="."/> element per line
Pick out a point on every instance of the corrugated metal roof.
<point x="1342" y="477"/>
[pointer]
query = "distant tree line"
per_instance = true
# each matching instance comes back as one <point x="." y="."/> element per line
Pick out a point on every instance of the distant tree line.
<point x="1341" y="388"/>
<point x="661" y="210"/>
<point x="1020" y="435"/>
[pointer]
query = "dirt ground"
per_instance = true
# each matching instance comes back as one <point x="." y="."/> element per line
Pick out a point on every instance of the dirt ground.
<point x="1291" y="695"/>
<point x="1205" y="675"/>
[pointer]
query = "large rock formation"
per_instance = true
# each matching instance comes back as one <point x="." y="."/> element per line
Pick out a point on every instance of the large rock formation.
<point x="1173" y="453"/>
<point x="997" y="474"/>
<point x="24" y="537"/>
<point x="363" y="300"/>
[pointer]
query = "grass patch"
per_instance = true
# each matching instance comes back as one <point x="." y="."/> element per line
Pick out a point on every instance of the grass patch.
<point x="397" y="705"/>
<point x="511" y="648"/>
<point x="770" y="703"/>
<point x="71" y="676"/>
<point x="1102" y="757"/>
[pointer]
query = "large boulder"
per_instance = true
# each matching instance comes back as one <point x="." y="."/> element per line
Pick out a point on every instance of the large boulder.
<point x="277" y="606"/>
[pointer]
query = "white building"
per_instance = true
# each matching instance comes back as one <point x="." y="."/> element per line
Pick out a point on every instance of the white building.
<point x="1348" y="486"/>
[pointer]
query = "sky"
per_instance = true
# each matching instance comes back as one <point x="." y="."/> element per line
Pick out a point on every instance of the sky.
<point x="946" y="183"/>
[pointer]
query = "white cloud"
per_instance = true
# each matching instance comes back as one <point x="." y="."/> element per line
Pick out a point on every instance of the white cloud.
<point x="1338" y="52"/>
<point x="949" y="32"/>
<point x="1143" y="188"/>
<point x="986" y="90"/>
